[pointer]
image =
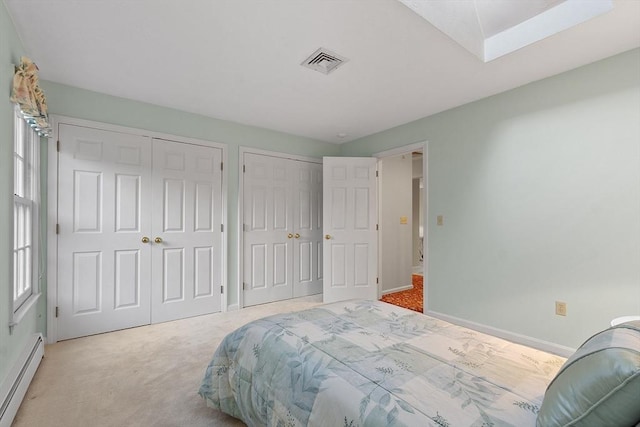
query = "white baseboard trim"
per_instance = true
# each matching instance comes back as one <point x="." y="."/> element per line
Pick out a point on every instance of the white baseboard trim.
<point x="15" y="385"/>
<point x="398" y="289"/>
<point x="233" y="307"/>
<point x="547" y="346"/>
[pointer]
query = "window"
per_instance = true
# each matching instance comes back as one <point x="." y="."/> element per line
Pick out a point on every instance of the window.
<point x="26" y="201"/>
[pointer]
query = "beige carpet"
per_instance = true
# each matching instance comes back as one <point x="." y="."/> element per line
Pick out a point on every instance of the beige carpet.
<point x="146" y="376"/>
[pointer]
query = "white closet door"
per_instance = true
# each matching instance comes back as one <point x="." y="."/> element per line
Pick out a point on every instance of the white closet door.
<point x="307" y="224"/>
<point x="350" y="218"/>
<point x="104" y="210"/>
<point x="268" y="229"/>
<point x="187" y="234"/>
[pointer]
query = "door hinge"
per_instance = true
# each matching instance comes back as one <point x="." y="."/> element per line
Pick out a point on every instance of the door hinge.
<point x="245" y="286"/>
<point x="57" y="228"/>
<point x="244" y="168"/>
<point x="377" y="280"/>
<point x="244" y="227"/>
<point x="221" y="166"/>
<point x="58" y="146"/>
<point x="222" y="228"/>
<point x="57" y="311"/>
<point x="222" y="289"/>
<point x="376" y="174"/>
<point x="377" y="227"/>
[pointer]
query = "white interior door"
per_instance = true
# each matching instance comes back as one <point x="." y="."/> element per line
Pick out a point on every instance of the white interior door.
<point x="268" y="229"/>
<point x="104" y="211"/>
<point x="307" y="225"/>
<point x="350" y="217"/>
<point x="187" y="230"/>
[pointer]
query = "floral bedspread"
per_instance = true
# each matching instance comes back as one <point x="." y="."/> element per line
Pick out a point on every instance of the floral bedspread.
<point x="368" y="363"/>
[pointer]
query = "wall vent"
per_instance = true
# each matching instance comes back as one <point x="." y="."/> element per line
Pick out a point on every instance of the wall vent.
<point x="324" y="61"/>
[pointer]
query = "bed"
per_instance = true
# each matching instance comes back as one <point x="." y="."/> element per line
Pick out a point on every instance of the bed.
<point x="368" y="363"/>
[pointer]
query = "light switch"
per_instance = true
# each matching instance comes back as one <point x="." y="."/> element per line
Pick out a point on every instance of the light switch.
<point x="404" y="220"/>
<point x="440" y="220"/>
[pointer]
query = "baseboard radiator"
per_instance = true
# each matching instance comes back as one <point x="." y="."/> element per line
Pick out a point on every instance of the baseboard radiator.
<point x="15" y="385"/>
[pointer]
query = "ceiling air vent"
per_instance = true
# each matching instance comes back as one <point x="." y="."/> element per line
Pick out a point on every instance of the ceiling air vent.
<point x="324" y="60"/>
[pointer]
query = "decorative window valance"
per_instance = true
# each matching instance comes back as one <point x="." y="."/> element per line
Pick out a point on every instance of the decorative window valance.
<point x="29" y="96"/>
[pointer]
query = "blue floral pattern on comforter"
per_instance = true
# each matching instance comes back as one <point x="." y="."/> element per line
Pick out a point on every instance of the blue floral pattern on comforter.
<point x="368" y="363"/>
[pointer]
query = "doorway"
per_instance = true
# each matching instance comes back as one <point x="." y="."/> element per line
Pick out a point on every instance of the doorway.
<point x="402" y="209"/>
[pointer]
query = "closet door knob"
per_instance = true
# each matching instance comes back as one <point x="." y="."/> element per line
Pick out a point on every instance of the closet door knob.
<point x="145" y="239"/>
<point x="158" y="240"/>
<point x="289" y="235"/>
<point x="297" y="236"/>
<point x="327" y="237"/>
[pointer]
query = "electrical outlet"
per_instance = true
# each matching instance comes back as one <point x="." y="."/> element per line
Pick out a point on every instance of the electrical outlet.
<point x="561" y="308"/>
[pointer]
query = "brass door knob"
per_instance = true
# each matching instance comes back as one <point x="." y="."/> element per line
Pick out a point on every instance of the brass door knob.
<point x="145" y="239"/>
<point x="158" y="240"/>
<point x="289" y="235"/>
<point x="327" y="236"/>
<point x="297" y="235"/>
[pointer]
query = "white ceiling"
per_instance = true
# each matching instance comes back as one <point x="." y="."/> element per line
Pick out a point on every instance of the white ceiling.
<point x="493" y="28"/>
<point x="239" y="60"/>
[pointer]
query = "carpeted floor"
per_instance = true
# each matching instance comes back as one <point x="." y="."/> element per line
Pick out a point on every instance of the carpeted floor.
<point x="146" y="376"/>
<point x="411" y="298"/>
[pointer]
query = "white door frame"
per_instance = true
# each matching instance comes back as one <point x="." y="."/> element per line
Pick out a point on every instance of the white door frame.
<point x="52" y="206"/>
<point x="424" y="147"/>
<point x="240" y="218"/>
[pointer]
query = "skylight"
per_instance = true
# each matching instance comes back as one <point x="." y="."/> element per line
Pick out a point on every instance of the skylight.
<point x="492" y="28"/>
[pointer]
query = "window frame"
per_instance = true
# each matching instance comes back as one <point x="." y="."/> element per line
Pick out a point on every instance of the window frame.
<point x="26" y="236"/>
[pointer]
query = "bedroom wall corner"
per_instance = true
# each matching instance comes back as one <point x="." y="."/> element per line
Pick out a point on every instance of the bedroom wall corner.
<point x="539" y="188"/>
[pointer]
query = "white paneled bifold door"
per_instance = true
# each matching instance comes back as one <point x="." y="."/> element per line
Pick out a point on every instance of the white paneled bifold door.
<point x="104" y="209"/>
<point x="282" y="228"/>
<point x="350" y="224"/>
<point x="187" y="230"/>
<point x="139" y="237"/>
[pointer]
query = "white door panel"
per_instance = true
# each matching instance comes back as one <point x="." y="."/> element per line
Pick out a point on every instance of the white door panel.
<point x="187" y="218"/>
<point x="268" y="232"/>
<point x="307" y="212"/>
<point x="350" y="217"/>
<point x="103" y="204"/>
<point x="127" y="278"/>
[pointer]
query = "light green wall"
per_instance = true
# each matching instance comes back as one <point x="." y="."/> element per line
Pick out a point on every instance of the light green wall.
<point x="540" y="192"/>
<point x="84" y="104"/>
<point x="11" y="345"/>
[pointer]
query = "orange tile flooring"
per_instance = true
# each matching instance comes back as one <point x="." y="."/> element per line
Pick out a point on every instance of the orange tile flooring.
<point x="411" y="298"/>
